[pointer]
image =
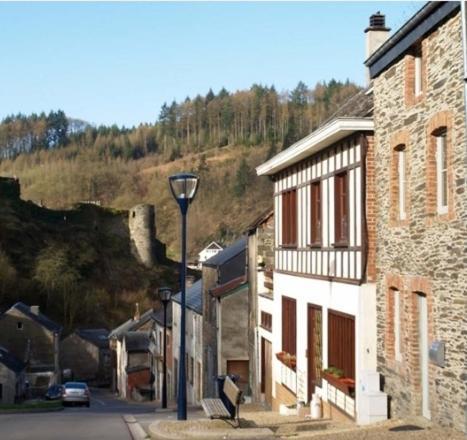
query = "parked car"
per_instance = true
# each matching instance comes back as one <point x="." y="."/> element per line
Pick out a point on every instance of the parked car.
<point x="54" y="392"/>
<point x="76" y="392"/>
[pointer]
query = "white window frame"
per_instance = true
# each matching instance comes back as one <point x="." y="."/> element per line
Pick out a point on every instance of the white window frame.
<point x="418" y="89"/>
<point x="402" y="181"/>
<point x="441" y="173"/>
<point x="397" y="325"/>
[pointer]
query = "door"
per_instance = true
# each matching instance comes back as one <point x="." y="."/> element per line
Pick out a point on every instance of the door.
<point x="315" y="348"/>
<point x="423" y="350"/>
<point x="266" y="370"/>
<point x="240" y="368"/>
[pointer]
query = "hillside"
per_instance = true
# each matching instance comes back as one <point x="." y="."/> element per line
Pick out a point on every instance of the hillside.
<point x="76" y="264"/>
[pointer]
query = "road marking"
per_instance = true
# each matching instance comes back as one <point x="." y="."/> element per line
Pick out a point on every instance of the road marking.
<point x="99" y="401"/>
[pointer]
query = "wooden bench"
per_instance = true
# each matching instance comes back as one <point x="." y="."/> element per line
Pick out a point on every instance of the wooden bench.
<point x="215" y="408"/>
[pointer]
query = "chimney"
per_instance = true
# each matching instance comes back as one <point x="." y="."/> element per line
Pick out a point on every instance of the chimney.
<point x="190" y="279"/>
<point x="137" y="315"/>
<point x="376" y="34"/>
<point x="34" y="310"/>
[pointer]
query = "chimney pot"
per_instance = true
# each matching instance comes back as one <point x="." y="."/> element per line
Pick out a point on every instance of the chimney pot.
<point x="137" y="315"/>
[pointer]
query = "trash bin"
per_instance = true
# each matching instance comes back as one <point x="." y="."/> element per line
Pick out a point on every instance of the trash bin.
<point x="220" y="392"/>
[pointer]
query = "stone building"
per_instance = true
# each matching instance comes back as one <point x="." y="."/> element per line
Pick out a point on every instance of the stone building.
<point x="260" y="279"/>
<point x="12" y="378"/>
<point x="142" y="225"/>
<point x="420" y="151"/>
<point x="33" y="339"/>
<point x="225" y="317"/>
<point x="86" y="353"/>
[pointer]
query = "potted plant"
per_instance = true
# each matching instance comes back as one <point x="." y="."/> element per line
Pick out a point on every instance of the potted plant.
<point x="335" y="377"/>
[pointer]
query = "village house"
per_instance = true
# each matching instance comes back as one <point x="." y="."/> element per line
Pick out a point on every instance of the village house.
<point x="209" y="251"/>
<point x="225" y="317"/>
<point x="324" y="312"/>
<point x="193" y="341"/>
<point x="86" y="353"/>
<point x="12" y="378"/>
<point x="261" y="305"/>
<point x="418" y="81"/>
<point x="33" y="339"/>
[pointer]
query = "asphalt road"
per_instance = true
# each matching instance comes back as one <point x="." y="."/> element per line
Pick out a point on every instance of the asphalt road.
<point x="103" y="420"/>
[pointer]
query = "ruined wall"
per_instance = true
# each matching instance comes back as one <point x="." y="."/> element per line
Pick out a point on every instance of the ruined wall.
<point x="142" y="225"/>
<point x="425" y="253"/>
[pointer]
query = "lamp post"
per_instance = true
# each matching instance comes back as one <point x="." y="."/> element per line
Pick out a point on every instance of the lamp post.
<point x="183" y="187"/>
<point x="164" y="295"/>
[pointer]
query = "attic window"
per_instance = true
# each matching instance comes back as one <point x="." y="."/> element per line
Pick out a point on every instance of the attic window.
<point x="19" y="325"/>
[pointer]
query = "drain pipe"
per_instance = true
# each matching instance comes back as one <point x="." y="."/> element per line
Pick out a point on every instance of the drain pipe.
<point x="464" y="44"/>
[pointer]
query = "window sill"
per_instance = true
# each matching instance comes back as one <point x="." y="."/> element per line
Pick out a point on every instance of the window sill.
<point x="340" y="245"/>
<point x="289" y="246"/>
<point x="315" y="245"/>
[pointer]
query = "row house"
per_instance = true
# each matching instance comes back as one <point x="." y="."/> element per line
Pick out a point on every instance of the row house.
<point x="324" y="326"/>
<point x="418" y="78"/>
<point x="261" y="305"/>
<point x="225" y="318"/>
<point x="193" y="341"/>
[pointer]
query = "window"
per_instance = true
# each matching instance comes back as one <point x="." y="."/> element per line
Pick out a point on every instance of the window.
<point x="316" y="213"/>
<point x="341" y="217"/>
<point x="289" y="218"/>
<point x="341" y="342"/>
<point x="397" y="324"/>
<point x="441" y="172"/>
<point x="401" y="156"/>
<point x="19" y="325"/>
<point x="266" y="321"/>
<point x="289" y="325"/>
<point x="418" y="78"/>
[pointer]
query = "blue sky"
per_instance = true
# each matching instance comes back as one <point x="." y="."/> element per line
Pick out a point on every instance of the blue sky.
<point x="118" y="62"/>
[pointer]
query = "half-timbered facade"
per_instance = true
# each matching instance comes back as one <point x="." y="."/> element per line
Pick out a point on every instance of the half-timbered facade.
<point x="324" y="313"/>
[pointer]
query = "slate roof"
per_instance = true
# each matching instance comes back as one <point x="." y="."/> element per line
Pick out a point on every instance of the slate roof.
<point x="359" y="105"/>
<point x="97" y="336"/>
<point x="157" y="316"/>
<point x="227" y="254"/>
<point x="10" y="361"/>
<point x="229" y="287"/>
<point x="194" y="297"/>
<point x="118" y="332"/>
<point x="136" y="342"/>
<point x="39" y="318"/>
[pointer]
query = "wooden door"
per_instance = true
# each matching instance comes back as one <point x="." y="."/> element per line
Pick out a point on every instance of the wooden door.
<point x="266" y="370"/>
<point x="240" y="368"/>
<point x="315" y="348"/>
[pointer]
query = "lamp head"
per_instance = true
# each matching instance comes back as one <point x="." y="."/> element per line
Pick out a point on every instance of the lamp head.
<point x="164" y="294"/>
<point x="184" y="187"/>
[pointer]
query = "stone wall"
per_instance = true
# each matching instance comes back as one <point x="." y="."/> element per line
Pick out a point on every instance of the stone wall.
<point x="426" y="253"/>
<point x="141" y="222"/>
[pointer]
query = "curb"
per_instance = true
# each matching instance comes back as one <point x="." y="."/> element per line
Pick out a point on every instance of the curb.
<point x="136" y="431"/>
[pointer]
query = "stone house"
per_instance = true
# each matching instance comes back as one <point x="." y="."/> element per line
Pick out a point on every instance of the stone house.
<point x="33" y="339"/>
<point x="193" y="341"/>
<point x="225" y="317"/>
<point x="418" y="84"/>
<point x="86" y="353"/>
<point x="12" y="378"/>
<point x="260" y="279"/>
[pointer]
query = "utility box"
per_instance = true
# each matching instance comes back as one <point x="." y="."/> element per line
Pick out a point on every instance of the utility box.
<point x="372" y="404"/>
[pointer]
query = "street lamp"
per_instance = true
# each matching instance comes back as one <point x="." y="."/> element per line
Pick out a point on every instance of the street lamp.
<point x="183" y="187"/>
<point x="164" y="295"/>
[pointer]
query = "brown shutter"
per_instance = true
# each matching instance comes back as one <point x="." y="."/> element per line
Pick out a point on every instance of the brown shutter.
<point x="289" y="325"/>
<point x="341" y="223"/>
<point x="341" y="342"/>
<point x="316" y="213"/>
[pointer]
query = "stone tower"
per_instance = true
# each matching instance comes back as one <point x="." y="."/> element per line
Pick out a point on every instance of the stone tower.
<point x="142" y="226"/>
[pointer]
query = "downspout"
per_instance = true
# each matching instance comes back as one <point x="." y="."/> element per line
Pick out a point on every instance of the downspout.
<point x="364" y="144"/>
<point x="464" y="44"/>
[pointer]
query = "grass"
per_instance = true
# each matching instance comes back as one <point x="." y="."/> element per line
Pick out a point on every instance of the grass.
<point x="32" y="406"/>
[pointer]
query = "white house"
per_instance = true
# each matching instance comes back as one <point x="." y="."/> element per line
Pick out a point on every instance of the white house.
<point x="193" y="341"/>
<point x="209" y="251"/>
<point x="324" y="304"/>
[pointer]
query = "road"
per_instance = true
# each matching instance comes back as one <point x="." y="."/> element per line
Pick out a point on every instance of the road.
<point x="102" y="421"/>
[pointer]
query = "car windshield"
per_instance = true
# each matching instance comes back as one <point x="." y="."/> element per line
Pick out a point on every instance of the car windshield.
<point x="81" y="386"/>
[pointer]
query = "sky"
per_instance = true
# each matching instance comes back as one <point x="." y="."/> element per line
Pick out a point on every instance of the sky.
<point x="118" y="63"/>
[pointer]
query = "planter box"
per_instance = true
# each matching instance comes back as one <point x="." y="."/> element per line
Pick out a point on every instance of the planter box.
<point x="344" y="384"/>
<point x="287" y="360"/>
<point x="288" y="410"/>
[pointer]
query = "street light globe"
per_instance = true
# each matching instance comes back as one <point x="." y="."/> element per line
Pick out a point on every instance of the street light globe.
<point x="164" y="294"/>
<point x="184" y="186"/>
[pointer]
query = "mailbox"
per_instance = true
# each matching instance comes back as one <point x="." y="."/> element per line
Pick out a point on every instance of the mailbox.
<point x="437" y="353"/>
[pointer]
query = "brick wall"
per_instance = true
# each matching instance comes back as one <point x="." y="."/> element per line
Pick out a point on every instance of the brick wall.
<point x="425" y="253"/>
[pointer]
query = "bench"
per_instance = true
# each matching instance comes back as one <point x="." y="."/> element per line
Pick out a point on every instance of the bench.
<point x="215" y="408"/>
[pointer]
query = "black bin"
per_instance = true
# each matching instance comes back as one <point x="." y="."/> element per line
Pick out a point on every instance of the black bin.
<point x="220" y="392"/>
